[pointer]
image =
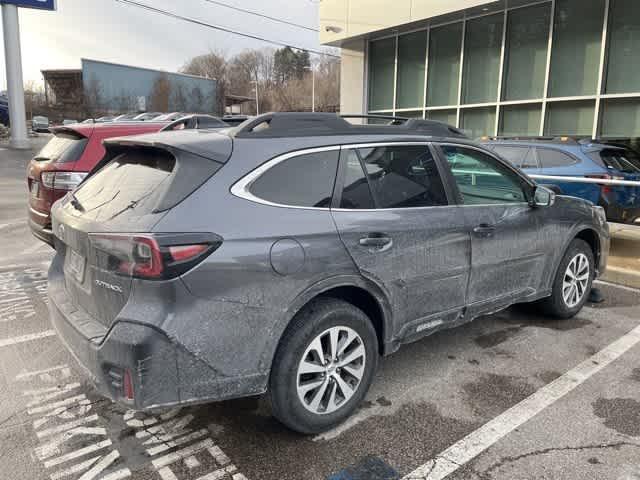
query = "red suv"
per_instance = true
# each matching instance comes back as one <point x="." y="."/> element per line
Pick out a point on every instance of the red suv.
<point x="64" y="162"/>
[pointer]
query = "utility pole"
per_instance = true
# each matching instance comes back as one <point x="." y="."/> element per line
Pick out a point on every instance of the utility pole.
<point x="257" y="99"/>
<point x="15" y="87"/>
<point x="313" y="87"/>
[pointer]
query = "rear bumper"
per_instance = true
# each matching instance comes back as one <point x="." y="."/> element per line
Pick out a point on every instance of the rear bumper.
<point x="619" y="214"/>
<point x="164" y="372"/>
<point x="42" y="232"/>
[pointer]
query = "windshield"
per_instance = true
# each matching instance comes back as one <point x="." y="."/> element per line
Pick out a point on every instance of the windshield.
<point x="63" y="147"/>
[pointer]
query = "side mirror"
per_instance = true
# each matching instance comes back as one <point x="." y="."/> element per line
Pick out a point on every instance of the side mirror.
<point x="543" y="197"/>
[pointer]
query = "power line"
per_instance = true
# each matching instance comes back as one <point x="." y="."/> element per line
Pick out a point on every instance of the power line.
<point x="222" y="29"/>
<point x="257" y="14"/>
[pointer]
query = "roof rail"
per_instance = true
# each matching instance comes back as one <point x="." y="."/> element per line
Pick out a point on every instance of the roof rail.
<point x="294" y="124"/>
<point x="559" y="139"/>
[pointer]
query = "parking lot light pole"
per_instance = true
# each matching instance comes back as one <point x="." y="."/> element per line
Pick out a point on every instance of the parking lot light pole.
<point x="15" y="87"/>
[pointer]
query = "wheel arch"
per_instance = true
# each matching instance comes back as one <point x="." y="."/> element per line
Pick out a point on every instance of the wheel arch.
<point x="353" y="289"/>
<point x="587" y="234"/>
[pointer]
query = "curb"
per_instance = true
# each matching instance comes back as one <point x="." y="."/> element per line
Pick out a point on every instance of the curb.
<point x="622" y="276"/>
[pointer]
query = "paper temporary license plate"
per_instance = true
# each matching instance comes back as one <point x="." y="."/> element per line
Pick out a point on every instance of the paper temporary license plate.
<point x="35" y="188"/>
<point x="75" y="265"/>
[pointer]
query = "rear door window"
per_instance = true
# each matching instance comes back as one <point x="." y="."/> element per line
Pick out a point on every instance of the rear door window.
<point x="551" y="158"/>
<point x="402" y="176"/>
<point x="305" y="180"/>
<point x="63" y="147"/>
<point x="356" y="193"/>
<point x="521" y="157"/>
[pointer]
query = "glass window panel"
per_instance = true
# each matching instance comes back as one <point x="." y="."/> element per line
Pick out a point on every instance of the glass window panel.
<point x="444" y="116"/>
<point x="444" y="65"/>
<point x="621" y="118"/>
<point x="550" y="157"/>
<point x="526" y="54"/>
<point x="570" y="118"/>
<point x="520" y="120"/>
<point x="481" y="179"/>
<point x="411" y="114"/>
<point x="302" y="181"/>
<point x="624" y="44"/>
<point x="382" y="56"/>
<point x="403" y="176"/>
<point x="477" y="122"/>
<point x="483" y="44"/>
<point x="412" y="50"/>
<point x="577" y="36"/>
<point x="521" y="157"/>
<point x="355" y="192"/>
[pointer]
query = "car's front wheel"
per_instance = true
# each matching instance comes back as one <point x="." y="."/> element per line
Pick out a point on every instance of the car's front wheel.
<point x="323" y="367"/>
<point x="573" y="281"/>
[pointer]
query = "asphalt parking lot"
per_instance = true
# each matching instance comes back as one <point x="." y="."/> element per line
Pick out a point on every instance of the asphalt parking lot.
<point x="510" y="396"/>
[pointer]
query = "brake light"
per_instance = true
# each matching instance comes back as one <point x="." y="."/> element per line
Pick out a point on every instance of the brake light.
<point x="149" y="256"/>
<point x="62" y="180"/>
<point x="127" y="385"/>
<point x="605" y="176"/>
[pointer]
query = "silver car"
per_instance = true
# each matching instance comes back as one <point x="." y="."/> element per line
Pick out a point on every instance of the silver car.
<point x="288" y="255"/>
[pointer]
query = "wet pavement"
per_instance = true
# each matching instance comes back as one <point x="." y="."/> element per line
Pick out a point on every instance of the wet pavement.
<point x="425" y="399"/>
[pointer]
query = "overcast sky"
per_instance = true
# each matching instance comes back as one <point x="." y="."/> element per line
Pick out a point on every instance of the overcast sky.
<point x="115" y="32"/>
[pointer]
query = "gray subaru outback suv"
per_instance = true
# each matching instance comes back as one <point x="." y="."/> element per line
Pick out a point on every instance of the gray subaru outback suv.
<point x="288" y="254"/>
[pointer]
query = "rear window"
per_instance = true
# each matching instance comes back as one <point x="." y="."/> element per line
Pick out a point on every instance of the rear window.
<point x="302" y="181"/>
<point x="521" y="157"/>
<point x="624" y="160"/>
<point x="134" y="180"/>
<point x="63" y="147"/>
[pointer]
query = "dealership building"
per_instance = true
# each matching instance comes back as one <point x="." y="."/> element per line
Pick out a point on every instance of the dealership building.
<point x="511" y="67"/>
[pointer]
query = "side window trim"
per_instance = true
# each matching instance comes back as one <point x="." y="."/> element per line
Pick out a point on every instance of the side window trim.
<point x="443" y="171"/>
<point x="241" y="188"/>
<point x="524" y="180"/>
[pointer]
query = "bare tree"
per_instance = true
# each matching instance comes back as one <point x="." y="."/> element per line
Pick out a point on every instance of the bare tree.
<point x="212" y="65"/>
<point x="161" y="93"/>
<point x="93" y="97"/>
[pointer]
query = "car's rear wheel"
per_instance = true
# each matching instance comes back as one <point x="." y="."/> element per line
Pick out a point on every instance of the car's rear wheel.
<point x="323" y="367"/>
<point x="573" y="281"/>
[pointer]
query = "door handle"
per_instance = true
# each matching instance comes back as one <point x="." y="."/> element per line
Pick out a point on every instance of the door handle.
<point x="376" y="241"/>
<point x="484" y="230"/>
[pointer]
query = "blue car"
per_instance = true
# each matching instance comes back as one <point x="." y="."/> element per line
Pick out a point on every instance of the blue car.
<point x="580" y="158"/>
<point x="4" y="111"/>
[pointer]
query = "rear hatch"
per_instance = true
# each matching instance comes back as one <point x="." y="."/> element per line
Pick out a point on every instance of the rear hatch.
<point x="622" y="164"/>
<point x="102" y="229"/>
<point x="60" y="154"/>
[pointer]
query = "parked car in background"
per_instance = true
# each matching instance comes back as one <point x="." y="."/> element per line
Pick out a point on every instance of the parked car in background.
<point x="125" y="117"/>
<point x="234" y="120"/>
<point x="64" y="162"/>
<point x="105" y="119"/>
<point x="4" y="111"/>
<point x="196" y="121"/>
<point x="324" y="246"/>
<point x="143" y="117"/>
<point x="40" y="124"/>
<point x="580" y="158"/>
<point x="169" y="117"/>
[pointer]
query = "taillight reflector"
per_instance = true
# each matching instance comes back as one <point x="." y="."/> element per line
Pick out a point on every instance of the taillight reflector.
<point x="127" y="385"/>
<point x="181" y="253"/>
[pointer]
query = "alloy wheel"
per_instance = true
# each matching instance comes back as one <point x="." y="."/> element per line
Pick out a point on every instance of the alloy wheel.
<point x="575" y="280"/>
<point x="330" y="370"/>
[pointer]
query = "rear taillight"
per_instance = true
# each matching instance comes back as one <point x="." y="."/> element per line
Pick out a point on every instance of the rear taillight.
<point x="62" y="180"/>
<point x="151" y="256"/>
<point x="605" y="176"/>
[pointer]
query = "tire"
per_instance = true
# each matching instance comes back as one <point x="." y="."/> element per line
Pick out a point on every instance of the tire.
<point x="324" y="318"/>
<point x="557" y="305"/>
